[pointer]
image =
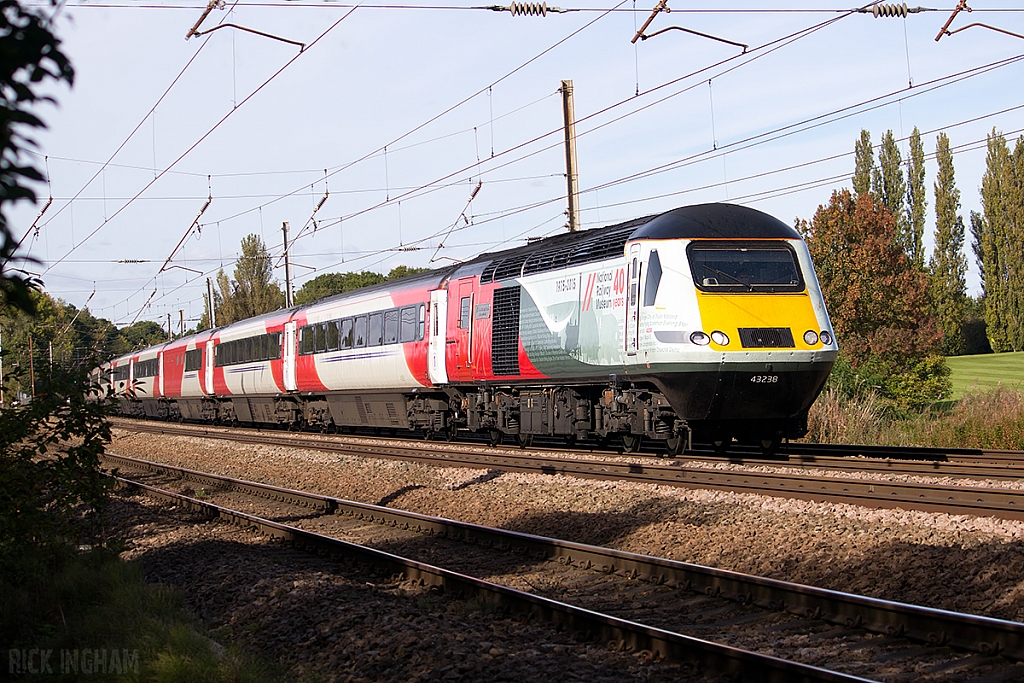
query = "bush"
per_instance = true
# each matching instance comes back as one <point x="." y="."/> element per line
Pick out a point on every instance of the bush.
<point x="51" y="489"/>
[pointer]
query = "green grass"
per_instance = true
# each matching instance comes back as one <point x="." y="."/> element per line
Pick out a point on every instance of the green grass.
<point x="987" y="371"/>
<point x="93" y="601"/>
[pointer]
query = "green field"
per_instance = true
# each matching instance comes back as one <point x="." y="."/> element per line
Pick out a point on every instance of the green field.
<point x="986" y="371"/>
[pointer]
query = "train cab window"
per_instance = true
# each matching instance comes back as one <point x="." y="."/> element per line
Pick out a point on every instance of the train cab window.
<point x="391" y="326"/>
<point x="375" y="331"/>
<point x="346" y="333"/>
<point x="464" y="313"/>
<point x="410" y="325"/>
<point x="653" y="278"/>
<point x="333" y="340"/>
<point x="360" y="332"/>
<point x="321" y="338"/>
<point x="745" y="267"/>
<point x="307" y="340"/>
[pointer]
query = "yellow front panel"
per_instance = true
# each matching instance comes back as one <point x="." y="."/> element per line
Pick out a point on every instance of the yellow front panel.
<point x="729" y="312"/>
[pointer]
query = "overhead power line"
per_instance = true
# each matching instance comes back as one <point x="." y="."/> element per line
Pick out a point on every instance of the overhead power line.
<point x="200" y="140"/>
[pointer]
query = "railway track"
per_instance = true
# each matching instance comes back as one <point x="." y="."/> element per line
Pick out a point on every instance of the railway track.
<point x="636" y="601"/>
<point x="774" y="478"/>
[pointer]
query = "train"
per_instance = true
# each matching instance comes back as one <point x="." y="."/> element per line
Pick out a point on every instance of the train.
<point x="703" y="324"/>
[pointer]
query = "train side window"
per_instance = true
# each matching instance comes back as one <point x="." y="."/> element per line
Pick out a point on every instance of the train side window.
<point x="653" y="278"/>
<point x="391" y="326"/>
<point x="409" y="324"/>
<point x="421" y="321"/>
<point x="464" y="313"/>
<point x="321" y="338"/>
<point x="333" y="340"/>
<point x="275" y="340"/>
<point x="306" y="344"/>
<point x="375" y="332"/>
<point x="346" y="333"/>
<point x="360" y="332"/>
<point x="193" y="360"/>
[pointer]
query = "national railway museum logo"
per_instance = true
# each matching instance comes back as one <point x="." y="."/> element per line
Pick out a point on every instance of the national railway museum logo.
<point x="79" y="661"/>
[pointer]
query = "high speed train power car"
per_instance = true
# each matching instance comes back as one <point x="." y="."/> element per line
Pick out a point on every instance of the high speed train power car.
<point x="705" y="323"/>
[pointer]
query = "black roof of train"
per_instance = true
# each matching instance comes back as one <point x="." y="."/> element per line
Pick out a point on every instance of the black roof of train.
<point x="700" y="221"/>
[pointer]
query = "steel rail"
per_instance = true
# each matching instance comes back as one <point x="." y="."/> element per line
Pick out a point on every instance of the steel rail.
<point x="957" y="500"/>
<point x="922" y="624"/>
<point x="626" y="635"/>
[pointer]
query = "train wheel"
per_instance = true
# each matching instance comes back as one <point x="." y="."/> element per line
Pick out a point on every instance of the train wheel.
<point x="524" y="440"/>
<point x="496" y="436"/>
<point x="631" y="442"/>
<point x="770" y="444"/>
<point x="721" y="444"/>
<point x="570" y="440"/>
<point x="675" y="445"/>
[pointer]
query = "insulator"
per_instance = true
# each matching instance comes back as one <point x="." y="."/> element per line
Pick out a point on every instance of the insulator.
<point x="529" y="8"/>
<point x="891" y="10"/>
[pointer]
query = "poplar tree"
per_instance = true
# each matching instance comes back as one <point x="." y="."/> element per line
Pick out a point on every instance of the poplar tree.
<point x="890" y="189"/>
<point x="948" y="265"/>
<point x="864" y="164"/>
<point x="998" y="243"/>
<point x="255" y="292"/>
<point x="916" y="198"/>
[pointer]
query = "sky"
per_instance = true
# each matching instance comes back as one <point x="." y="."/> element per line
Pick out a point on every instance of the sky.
<point x="175" y="148"/>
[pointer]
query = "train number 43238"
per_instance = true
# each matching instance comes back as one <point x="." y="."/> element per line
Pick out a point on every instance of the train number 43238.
<point x="764" y="379"/>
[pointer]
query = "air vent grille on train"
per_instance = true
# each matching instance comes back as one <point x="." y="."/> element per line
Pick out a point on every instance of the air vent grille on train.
<point x="766" y="338"/>
<point x="505" y="332"/>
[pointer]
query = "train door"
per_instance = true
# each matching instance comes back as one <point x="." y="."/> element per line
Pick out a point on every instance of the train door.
<point x="438" y="336"/>
<point x="460" y="331"/>
<point x="633" y="300"/>
<point x="209" y="367"/>
<point x="160" y="374"/>
<point x="288" y="357"/>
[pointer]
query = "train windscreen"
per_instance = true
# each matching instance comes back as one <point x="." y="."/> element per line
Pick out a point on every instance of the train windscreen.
<point x="742" y="267"/>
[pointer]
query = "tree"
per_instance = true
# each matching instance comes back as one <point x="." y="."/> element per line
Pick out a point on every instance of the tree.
<point x="864" y="164"/>
<point x="254" y="292"/>
<point x="49" y="450"/>
<point x="330" y="284"/>
<point x="143" y="334"/>
<point x="877" y="299"/>
<point x="890" y="188"/>
<point x="31" y="55"/>
<point x="916" y="198"/>
<point x="948" y="265"/>
<point x="998" y="243"/>
<point x="404" y="271"/>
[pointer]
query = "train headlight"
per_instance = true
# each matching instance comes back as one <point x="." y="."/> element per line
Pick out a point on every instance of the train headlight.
<point x="810" y="337"/>
<point x="826" y="338"/>
<point x="699" y="338"/>
<point x="720" y="338"/>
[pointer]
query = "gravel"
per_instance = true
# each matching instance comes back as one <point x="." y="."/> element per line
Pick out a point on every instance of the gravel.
<point x="960" y="563"/>
<point x="316" y="619"/>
